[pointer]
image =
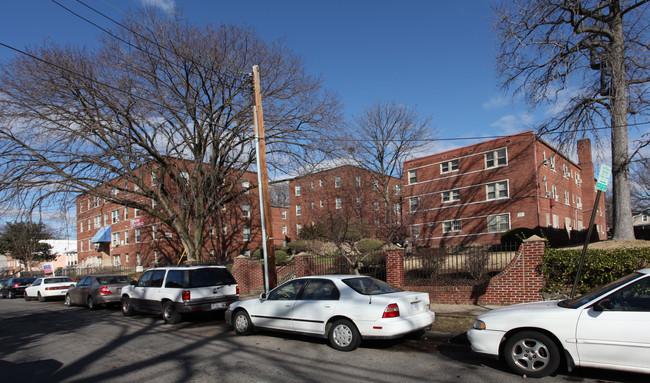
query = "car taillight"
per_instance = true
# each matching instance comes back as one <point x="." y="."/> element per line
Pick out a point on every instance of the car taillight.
<point x="105" y="290"/>
<point x="186" y="295"/>
<point x="16" y="285"/>
<point x="392" y="311"/>
<point x="237" y="290"/>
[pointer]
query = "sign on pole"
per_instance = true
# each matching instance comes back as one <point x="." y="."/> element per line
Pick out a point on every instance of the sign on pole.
<point x="603" y="178"/>
<point x="47" y="269"/>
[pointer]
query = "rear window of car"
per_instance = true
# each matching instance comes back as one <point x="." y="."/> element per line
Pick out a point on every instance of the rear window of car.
<point x="370" y="286"/>
<point x="113" y="279"/>
<point x="210" y="276"/>
<point x="175" y="279"/>
<point x="57" y="280"/>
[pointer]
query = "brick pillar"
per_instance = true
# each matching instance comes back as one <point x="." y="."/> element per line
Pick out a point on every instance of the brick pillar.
<point x="521" y="281"/>
<point x="240" y="272"/>
<point x="302" y="268"/>
<point x="395" y="267"/>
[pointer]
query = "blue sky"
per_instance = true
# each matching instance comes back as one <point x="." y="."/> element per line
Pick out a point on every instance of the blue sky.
<point x="436" y="55"/>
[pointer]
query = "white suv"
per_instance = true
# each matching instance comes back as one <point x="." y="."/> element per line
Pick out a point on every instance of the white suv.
<point x="173" y="291"/>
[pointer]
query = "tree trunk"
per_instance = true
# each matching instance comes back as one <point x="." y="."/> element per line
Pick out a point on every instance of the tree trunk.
<point x="623" y="228"/>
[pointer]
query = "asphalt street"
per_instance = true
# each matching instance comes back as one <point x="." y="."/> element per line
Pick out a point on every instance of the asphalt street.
<point x="48" y="342"/>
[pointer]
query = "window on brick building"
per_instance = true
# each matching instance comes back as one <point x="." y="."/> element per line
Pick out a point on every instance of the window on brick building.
<point x="357" y="180"/>
<point x="358" y="201"/>
<point x="452" y="226"/>
<point x="449" y="166"/>
<point x="138" y="237"/>
<point x="115" y="218"/>
<point x="298" y="210"/>
<point x="497" y="190"/>
<point x="245" y="185"/>
<point x="397" y="190"/>
<point x="246" y="210"/>
<point x="126" y="237"/>
<point x="313" y="205"/>
<point x="413" y="203"/>
<point x="415" y="231"/>
<point x="498" y="223"/>
<point x="321" y="204"/>
<point x="339" y="203"/>
<point x="246" y="233"/>
<point x="312" y="184"/>
<point x="451" y="196"/>
<point x="126" y="213"/>
<point x="496" y="158"/>
<point x="116" y="239"/>
<point x="154" y="231"/>
<point x="412" y="176"/>
<point x="284" y="229"/>
<point x="376" y="205"/>
<point x="297" y="190"/>
<point x="552" y="162"/>
<point x="284" y="214"/>
<point x="566" y="197"/>
<point x="337" y="181"/>
<point x="298" y="228"/>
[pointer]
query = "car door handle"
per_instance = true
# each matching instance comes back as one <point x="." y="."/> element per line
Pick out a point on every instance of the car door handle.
<point x="287" y="306"/>
<point x="328" y="306"/>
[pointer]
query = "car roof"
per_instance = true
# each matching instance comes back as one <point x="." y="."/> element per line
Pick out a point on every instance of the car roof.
<point x="644" y="271"/>
<point x="336" y="276"/>
<point x="186" y="267"/>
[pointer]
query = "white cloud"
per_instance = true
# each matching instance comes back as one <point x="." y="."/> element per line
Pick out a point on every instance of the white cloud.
<point x="514" y="123"/>
<point x="166" y="5"/>
<point x="496" y="102"/>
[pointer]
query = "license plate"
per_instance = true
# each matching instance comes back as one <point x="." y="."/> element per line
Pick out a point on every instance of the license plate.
<point x="218" y="305"/>
<point x="415" y="306"/>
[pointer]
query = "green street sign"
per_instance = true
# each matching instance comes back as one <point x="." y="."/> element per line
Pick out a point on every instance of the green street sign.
<point x="603" y="178"/>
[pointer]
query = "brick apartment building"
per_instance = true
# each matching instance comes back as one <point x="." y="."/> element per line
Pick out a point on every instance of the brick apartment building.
<point x="475" y="193"/>
<point x="109" y="234"/>
<point x="344" y="191"/>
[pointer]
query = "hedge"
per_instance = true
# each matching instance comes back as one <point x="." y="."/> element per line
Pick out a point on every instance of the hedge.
<point x="601" y="267"/>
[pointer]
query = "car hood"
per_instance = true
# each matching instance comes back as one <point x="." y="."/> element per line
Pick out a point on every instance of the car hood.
<point x="544" y="314"/>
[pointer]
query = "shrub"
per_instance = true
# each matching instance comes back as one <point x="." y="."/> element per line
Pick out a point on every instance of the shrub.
<point x="282" y="258"/>
<point x="368" y="245"/>
<point x="517" y="235"/>
<point x="600" y="267"/>
<point x="476" y="260"/>
<point x="297" y="247"/>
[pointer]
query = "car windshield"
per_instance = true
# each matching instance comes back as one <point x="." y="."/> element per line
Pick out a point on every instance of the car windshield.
<point x="583" y="299"/>
<point x="113" y="279"/>
<point x="57" y="280"/>
<point x="370" y="286"/>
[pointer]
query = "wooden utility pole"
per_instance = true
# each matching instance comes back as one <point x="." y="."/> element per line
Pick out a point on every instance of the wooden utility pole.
<point x="272" y="278"/>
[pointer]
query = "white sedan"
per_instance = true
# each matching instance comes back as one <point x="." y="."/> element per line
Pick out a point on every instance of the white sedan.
<point x="48" y="287"/>
<point x="606" y="328"/>
<point x="343" y="308"/>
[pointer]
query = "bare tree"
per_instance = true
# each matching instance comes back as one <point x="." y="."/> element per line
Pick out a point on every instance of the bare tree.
<point x="24" y="241"/>
<point x="162" y="106"/>
<point x="383" y="136"/>
<point x="641" y="186"/>
<point x="597" y="53"/>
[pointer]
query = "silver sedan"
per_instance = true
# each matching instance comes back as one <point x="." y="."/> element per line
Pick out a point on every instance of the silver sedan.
<point x="96" y="290"/>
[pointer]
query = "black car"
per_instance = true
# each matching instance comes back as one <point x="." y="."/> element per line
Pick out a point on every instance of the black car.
<point x="16" y="287"/>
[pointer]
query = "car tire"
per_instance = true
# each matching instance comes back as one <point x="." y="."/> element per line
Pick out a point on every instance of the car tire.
<point x="41" y="298"/>
<point x="532" y="354"/>
<point x="169" y="313"/>
<point x="68" y="300"/>
<point x="127" y="307"/>
<point x="344" y="336"/>
<point x="242" y="324"/>
<point x="91" y="303"/>
<point x="27" y="298"/>
<point x="12" y="295"/>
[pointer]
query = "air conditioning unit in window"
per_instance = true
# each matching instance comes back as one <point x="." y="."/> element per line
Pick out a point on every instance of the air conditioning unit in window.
<point x="548" y="194"/>
<point x="96" y="246"/>
<point x="122" y="242"/>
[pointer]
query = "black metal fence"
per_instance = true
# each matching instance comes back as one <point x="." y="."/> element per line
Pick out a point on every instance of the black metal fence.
<point x="456" y="265"/>
<point x="373" y="265"/>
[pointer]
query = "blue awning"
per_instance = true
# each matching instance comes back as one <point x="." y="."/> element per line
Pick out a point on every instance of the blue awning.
<point x="102" y="235"/>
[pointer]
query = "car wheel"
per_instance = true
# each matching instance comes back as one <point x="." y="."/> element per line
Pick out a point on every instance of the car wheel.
<point x="12" y="295"/>
<point x="242" y="323"/>
<point x="41" y="298"/>
<point x="27" y="298"/>
<point x="91" y="303"/>
<point x="127" y="307"/>
<point x="68" y="300"/>
<point x="169" y="313"/>
<point x="344" y="336"/>
<point x="532" y="354"/>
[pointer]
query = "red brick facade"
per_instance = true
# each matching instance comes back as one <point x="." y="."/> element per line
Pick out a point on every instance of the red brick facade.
<point x="137" y="239"/>
<point x="346" y="191"/>
<point x="475" y="193"/>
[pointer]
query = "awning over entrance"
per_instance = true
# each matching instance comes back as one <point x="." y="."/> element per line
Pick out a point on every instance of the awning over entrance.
<point x="102" y="235"/>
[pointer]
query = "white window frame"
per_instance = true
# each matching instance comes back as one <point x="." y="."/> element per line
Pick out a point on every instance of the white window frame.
<point x="115" y="216"/>
<point x="449" y="166"/>
<point x="337" y="182"/>
<point x="452" y="226"/>
<point x="357" y="180"/>
<point x="413" y="204"/>
<point x="246" y="185"/>
<point x="298" y="228"/>
<point x="450" y="196"/>
<point x="497" y="190"/>
<point x="246" y="210"/>
<point x="246" y="234"/>
<point x="138" y="235"/>
<point x="284" y="214"/>
<point x="412" y="176"/>
<point x="297" y="190"/>
<point x="298" y="210"/>
<point x="497" y="158"/>
<point x="498" y="223"/>
<point x="339" y="203"/>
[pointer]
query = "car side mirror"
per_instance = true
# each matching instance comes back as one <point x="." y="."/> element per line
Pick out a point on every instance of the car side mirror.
<point x="604" y="305"/>
<point x="263" y="296"/>
<point x="133" y="283"/>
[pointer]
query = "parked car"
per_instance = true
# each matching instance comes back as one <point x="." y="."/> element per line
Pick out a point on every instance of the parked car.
<point x="3" y="283"/>
<point x="96" y="290"/>
<point x="48" y="287"/>
<point x="16" y="287"/>
<point x="605" y="328"/>
<point x="343" y="308"/>
<point x="174" y="291"/>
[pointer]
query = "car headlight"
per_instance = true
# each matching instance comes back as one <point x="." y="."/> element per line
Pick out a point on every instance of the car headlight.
<point x="479" y="325"/>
